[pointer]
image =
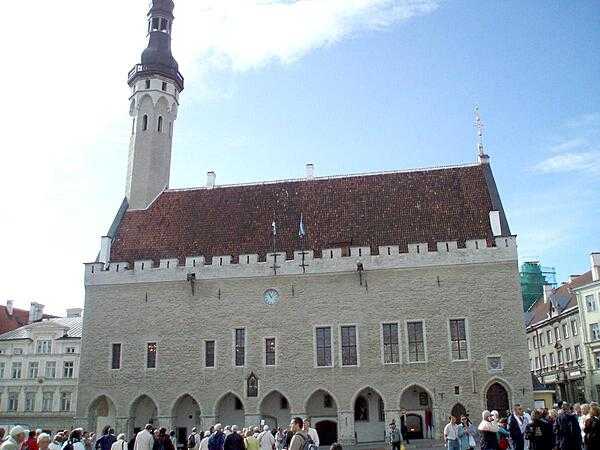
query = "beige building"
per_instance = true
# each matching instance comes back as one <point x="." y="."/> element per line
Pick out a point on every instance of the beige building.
<point x="39" y="366"/>
<point x="555" y="343"/>
<point x="588" y="298"/>
<point x="346" y="299"/>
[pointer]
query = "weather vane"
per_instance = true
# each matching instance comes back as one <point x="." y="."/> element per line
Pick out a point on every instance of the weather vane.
<point x="479" y="126"/>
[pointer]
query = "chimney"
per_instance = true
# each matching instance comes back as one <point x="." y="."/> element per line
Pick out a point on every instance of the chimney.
<point x="547" y="292"/>
<point x="36" y="312"/>
<point x="210" y="179"/>
<point x="595" y="259"/>
<point x="9" y="306"/>
<point x="105" y="244"/>
<point x="572" y="278"/>
<point x="310" y="171"/>
<point x="74" y="312"/>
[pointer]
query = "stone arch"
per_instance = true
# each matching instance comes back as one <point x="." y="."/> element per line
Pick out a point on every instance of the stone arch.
<point x="369" y="415"/>
<point x="497" y="396"/>
<point x="143" y="410"/>
<point x="162" y="105"/>
<point x="186" y="415"/>
<point x="322" y="409"/>
<point x="146" y="103"/>
<point x="274" y="409"/>
<point x="101" y="412"/>
<point x="417" y="403"/>
<point x="229" y="410"/>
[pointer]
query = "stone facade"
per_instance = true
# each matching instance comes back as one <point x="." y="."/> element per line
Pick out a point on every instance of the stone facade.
<point x="136" y="312"/>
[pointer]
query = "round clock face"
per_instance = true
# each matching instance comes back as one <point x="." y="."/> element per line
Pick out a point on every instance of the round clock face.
<point x="271" y="297"/>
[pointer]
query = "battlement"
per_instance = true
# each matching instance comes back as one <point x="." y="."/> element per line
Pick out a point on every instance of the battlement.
<point x="332" y="260"/>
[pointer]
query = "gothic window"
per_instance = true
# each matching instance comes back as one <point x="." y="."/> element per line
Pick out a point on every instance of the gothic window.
<point x="151" y="355"/>
<point x="416" y="342"/>
<point x="160" y="121"/>
<point x="240" y="347"/>
<point x="391" y="354"/>
<point x="133" y="126"/>
<point x="145" y="122"/>
<point x="361" y="409"/>
<point x="116" y="356"/>
<point x="270" y="351"/>
<point x="209" y="354"/>
<point x="458" y="339"/>
<point x="349" y="353"/>
<point x="252" y="385"/>
<point x="323" y="346"/>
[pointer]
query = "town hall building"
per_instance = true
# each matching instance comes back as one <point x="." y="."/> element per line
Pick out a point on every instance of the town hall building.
<point x="353" y="300"/>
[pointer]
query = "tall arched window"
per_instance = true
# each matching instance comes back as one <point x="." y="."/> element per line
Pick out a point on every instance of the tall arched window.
<point x="170" y="129"/>
<point x="145" y="122"/>
<point x="133" y="126"/>
<point x="160" y="120"/>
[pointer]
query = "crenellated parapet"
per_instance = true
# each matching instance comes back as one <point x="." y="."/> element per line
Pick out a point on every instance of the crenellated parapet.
<point x="332" y="260"/>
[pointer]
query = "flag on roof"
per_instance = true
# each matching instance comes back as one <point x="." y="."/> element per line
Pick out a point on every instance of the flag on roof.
<point x="301" y="232"/>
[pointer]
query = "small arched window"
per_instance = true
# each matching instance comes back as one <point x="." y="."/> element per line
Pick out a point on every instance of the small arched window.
<point x="160" y="120"/>
<point x="145" y="122"/>
<point x="170" y="129"/>
<point x="133" y="126"/>
<point x="147" y="84"/>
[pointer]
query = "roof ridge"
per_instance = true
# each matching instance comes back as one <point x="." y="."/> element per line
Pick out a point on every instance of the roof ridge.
<point x="328" y="177"/>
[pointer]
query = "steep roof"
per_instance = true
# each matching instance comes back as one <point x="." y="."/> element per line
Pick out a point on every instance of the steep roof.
<point x="73" y="325"/>
<point x="14" y="320"/>
<point x="395" y="208"/>
<point x="562" y="298"/>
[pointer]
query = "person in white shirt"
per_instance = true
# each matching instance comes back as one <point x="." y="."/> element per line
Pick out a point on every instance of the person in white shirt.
<point x="266" y="439"/>
<point x="75" y="439"/>
<point x="312" y="433"/>
<point x="144" y="439"/>
<point x="204" y="441"/>
<point x="451" y="434"/>
<point x="120" y="443"/>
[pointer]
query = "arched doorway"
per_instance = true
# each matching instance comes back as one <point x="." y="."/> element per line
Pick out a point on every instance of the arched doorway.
<point x="102" y="412"/>
<point x="143" y="411"/>
<point x="321" y="408"/>
<point x="458" y="410"/>
<point x="369" y="416"/>
<point x="275" y="410"/>
<point x="186" y="415"/>
<point x="230" y="411"/>
<point x="497" y="399"/>
<point x="417" y="417"/>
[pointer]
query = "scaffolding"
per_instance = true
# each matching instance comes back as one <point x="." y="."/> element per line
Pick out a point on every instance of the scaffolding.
<point x="533" y="278"/>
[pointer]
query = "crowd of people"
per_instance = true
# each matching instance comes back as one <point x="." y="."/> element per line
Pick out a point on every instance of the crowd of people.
<point x="568" y="427"/>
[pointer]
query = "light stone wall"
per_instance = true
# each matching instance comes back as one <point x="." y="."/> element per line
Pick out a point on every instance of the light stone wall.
<point x="486" y="294"/>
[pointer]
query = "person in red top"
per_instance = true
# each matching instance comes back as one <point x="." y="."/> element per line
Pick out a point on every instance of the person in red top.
<point x="31" y="442"/>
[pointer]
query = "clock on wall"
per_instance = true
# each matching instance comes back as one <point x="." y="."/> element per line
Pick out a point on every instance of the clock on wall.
<point x="271" y="297"/>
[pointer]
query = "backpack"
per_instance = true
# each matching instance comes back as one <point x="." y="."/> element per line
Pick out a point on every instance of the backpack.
<point x="308" y="443"/>
<point x="191" y="443"/>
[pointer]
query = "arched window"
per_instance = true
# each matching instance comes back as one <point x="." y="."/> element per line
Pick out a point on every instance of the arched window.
<point x="133" y="126"/>
<point x="361" y="409"/>
<point x="170" y="129"/>
<point x="147" y="84"/>
<point x="145" y="122"/>
<point x="160" y="120"/>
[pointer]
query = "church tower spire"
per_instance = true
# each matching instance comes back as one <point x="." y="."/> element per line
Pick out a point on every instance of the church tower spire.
<point x="155" y="87"/>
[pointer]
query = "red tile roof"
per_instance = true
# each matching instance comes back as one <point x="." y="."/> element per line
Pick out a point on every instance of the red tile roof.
<point x="399" y="208"/>
<point x="18" y="318"/>
<point x="563" y="298"/>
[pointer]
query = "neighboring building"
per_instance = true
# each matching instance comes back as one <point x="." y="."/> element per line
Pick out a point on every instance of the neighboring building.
<point x="347" y="299"/>
<point x="12" y="318"/>
<point x="555" y="341"/>
<point x="533" y="279"/>
<point x="588" y="297"/>
<point x="39" y="366"/>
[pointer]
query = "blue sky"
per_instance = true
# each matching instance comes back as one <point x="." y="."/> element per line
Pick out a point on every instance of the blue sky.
<point x="351" y="86"/>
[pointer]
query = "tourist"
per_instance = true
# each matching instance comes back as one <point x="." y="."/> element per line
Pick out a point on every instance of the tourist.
<point x="163" y="440"/>
<point x="394" y="437"/>
<point x="31" y="442"/>
<point x="451" y="434"/>
<point x="87" y="441"/>
<point x="566" y="430"/>
<point x="585" y="415"/>
<point x="43" y="441"/>
<point x="467" y="434"/>
<point x="144" y="440"/>
<point x="234" y="441"/>
<point x="75" y="440"/>
<point x="592" y="428"/>
<point x="15" y="438"/>
<point x="300" y="434"/>
<point x="280" y="438"/>
<point x="2" y="434"/>
<point x="204" y="441"/>
<point x="120" y="443"/>
<point x="488" y="432"/>
<point x="288" y="438"/>
<point x="250" y="442"/>
<point x="194" y="439"/>
<point x="217" y="439"/>
<point x="266" y="439"/>
<point x="107" y="440"/>
<point x="173" y="437"/>
<point x="516" y="427"/>
<point x="57" y="442"/>
<point x="312" y="433"/>
<point x="538" y="432"/>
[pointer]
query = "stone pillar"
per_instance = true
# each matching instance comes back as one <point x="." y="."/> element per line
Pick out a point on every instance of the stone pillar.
<point x="207" y="422"/>
<point x="346" y="428"/>
<point x="253" y="420"/>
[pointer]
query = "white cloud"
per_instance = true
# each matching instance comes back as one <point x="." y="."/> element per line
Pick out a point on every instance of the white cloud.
<point x="65" y="118"/>
<point x="570" y="162"/>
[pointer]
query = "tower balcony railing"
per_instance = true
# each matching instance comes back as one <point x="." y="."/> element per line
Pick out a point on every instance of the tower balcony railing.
<point x="161" y="69"/>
